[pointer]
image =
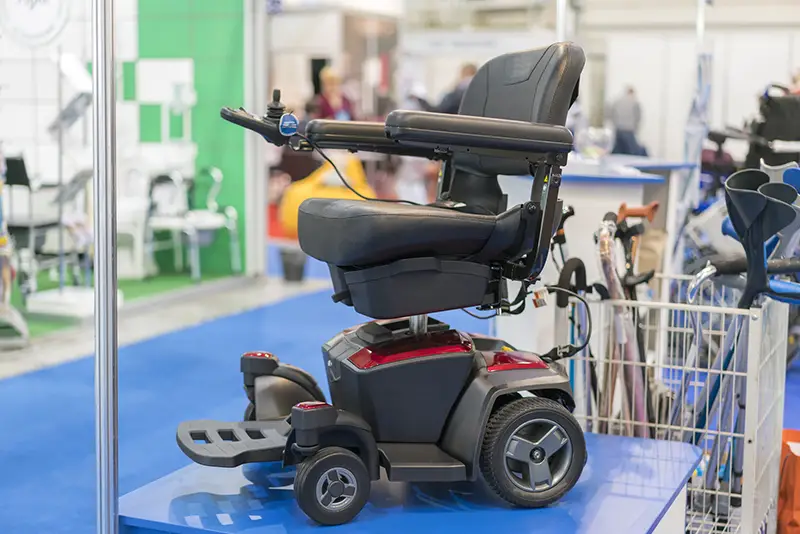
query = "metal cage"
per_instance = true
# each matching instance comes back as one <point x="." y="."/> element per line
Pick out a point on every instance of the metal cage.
<point x="660" y="394"/>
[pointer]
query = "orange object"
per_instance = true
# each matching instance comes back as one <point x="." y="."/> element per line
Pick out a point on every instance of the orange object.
<point x="323" y="183"/>
<point x="644" y="212"/>
<point x="789" y="488"/>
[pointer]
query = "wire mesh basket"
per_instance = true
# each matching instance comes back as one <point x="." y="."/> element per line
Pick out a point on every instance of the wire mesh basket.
<point x="705" y="373"/>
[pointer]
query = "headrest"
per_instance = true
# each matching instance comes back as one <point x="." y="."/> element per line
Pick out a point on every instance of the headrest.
<point x="533" y="86"/>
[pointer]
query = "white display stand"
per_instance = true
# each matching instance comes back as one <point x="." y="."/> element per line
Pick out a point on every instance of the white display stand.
<point x="70" y="301"/>
<point x="593" y="189"/>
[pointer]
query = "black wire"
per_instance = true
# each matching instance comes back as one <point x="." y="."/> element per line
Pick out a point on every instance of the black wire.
<point x="475" y="315"/>
<point x="588" y="313"/>
<point x="346" y="184"/>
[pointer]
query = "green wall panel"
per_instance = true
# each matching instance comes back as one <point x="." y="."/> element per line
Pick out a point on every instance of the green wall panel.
<point x="149" y="123"/>
<point x="165" y="36"/>
<point x="175" y="126"/>
<point x="129" y="80"/>
<point x="211" y="33"/>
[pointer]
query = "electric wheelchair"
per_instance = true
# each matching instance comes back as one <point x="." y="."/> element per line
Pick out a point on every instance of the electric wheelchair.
<point x="409" y="394"/>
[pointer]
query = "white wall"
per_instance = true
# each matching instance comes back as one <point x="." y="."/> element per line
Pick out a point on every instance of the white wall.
<point x="29" y="90"/>
<point x="290" y="56"/>
<point x="382" y="7"/>
<point x="661" y="65"/>
<point x="439" y="71"/>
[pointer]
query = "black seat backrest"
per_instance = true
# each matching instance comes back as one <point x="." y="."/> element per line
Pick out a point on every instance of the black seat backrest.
<point x="533" y="86"/>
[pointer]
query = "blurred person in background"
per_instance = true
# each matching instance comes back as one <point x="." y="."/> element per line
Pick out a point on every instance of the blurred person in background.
<point x="331" y="103"/>
<point x="452" y="100"/>
<point x="626" y="116"/>
<point x="576" y="119"/>
<point x="413" y="175"/>
<point x="795" y="89"/>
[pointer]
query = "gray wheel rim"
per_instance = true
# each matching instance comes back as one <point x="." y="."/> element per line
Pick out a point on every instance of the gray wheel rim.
<point x="537" y="455"/>
<point x="336" y="489"/>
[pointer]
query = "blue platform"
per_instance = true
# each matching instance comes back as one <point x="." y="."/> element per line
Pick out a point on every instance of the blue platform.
<point x="627" y="486"/>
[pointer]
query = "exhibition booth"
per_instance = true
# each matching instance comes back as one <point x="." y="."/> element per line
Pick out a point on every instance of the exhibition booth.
<point x="522" y="329"/>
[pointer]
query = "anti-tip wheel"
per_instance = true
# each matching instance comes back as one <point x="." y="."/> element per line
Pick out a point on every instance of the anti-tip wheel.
<point x="332" y="486"/>
<point x="533" y="452"/>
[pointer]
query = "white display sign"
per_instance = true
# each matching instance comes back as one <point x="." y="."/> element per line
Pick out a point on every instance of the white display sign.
<point x="33" y="22"/>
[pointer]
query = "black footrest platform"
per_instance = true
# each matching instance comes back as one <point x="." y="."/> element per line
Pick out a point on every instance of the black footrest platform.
<point x="420" y="462"/>
<point x="221" y="444"/>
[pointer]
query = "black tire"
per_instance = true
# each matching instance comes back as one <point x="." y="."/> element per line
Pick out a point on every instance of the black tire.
<point x="250" y="412"/>
<point x="315" y="471"/>
<point x="532" y="414"/>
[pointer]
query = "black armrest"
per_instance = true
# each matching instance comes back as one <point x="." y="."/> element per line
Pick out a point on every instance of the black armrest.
<point x="462" y="132"/>
<point x="360" y="136"/>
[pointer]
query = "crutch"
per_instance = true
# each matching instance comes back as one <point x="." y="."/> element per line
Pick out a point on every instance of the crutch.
<point x="758" y="210"/>
<point x="625" y="350"/>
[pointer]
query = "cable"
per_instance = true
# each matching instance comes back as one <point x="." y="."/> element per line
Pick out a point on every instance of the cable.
<point x="475" y="315"/>
<point x="588" y="314"/>
<point x="390" y="200"/>
<point x="345" y="183"/>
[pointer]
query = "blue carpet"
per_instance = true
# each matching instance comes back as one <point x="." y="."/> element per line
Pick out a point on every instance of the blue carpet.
<point x="47" y="418"/>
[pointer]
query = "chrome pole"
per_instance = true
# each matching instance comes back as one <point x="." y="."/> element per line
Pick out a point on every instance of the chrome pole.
<point x="561" y="21"/>
<point x="418" y="324"/>
<point x="700" y="25"/>
<point x="62" y="266"/>
<point x="105" y="270"/>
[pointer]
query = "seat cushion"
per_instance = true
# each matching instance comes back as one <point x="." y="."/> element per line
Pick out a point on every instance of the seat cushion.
<point x="351" y="233"/>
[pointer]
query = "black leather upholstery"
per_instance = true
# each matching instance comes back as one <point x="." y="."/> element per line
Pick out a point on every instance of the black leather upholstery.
<point x="388" y="259"/>
<point x="478" y="132"/>
<point x="532" y="86"/>
<point x="536" y="86"/>
<point x="351" y="233"/>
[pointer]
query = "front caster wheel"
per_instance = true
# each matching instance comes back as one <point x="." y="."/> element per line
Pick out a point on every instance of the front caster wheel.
<point x="533" y="452"/>
<point x="332" y="486"/>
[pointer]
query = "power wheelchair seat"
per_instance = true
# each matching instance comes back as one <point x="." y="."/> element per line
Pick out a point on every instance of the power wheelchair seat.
<point x="412" y="397"/>
<point x="389" y="259"/>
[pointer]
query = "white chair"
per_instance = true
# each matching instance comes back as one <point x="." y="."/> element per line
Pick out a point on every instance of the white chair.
<point x="170" y="212"/>
<point x="133" y="209"/>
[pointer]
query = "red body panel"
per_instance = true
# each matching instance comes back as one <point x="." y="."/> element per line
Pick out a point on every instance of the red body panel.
<point x="311" y="405"/>
<point x="433" y="344"/>
<point x="512" y="361"/>
<point x="257" y="354"/>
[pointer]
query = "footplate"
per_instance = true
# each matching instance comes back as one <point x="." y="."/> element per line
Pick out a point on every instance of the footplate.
<point x="221" y="444"/>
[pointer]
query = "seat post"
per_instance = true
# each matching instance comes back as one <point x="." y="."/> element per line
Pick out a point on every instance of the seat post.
<point x="418" y="324"/>
<point x="446" y="174"/>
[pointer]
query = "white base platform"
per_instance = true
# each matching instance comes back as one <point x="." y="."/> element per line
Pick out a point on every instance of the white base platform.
<point x="71" y="301"/>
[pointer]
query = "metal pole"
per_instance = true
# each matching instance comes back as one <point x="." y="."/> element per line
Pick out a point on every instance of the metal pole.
<point x="62" y="267"/>
<point x="700" y="25"/>
<point x="561" y="21"/>
<point x="105" y="270"/>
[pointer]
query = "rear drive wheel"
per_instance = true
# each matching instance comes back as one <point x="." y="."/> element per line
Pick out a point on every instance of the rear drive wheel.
<point x="533" y="452"/>
<point x="250" y="412"/>
<point x="332" y="486"/>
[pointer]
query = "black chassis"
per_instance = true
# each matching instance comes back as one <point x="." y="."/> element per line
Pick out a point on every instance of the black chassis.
<point x="463" y="433"/>
<point x="315" y="425"/>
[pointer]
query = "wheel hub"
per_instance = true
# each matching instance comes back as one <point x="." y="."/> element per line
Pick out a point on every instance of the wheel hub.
<point x="538" y="455"/>
<point x="336" y="489"/>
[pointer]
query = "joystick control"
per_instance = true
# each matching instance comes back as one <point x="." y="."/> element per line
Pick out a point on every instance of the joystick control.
<point x="276" y="108"/>
<point x="276" y="126"/>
